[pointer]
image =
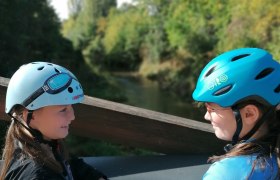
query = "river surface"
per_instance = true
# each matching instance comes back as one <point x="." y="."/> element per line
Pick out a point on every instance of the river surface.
<point x="144" y="93"/>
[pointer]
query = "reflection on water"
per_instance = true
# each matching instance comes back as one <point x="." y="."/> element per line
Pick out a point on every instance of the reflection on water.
<point x="144" y="93"/>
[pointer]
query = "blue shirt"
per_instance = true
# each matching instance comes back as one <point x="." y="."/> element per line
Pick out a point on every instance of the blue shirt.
<point x="241" y="167"/>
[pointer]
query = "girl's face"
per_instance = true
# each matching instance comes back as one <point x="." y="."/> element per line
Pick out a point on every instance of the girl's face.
<point x="224" y="123"/>
<point x="222" y="120"/>
<point x="53" y="121"/>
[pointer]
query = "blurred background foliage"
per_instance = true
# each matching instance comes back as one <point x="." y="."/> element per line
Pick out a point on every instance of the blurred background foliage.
<point x="169" y="41"/>
<point x="165" y="41"/>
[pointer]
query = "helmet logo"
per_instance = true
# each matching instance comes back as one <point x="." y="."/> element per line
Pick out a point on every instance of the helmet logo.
<point x="45" y="87"/>
<point x="77" y="96"/>
<point x="217" y="81"/>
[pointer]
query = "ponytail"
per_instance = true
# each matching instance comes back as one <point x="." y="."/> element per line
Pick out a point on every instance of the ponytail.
<point x="16" y="134"/>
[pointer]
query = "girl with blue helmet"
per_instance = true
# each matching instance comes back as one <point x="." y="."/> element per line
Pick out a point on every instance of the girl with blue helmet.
<point x="39" y="101"/>
<point x="241" y="90"/>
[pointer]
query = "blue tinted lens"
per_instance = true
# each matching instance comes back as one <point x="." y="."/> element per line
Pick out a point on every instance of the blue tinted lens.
<point x="58" y="81"/>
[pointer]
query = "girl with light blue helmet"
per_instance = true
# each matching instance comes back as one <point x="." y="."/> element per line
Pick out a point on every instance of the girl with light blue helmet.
<point x="241" y="90"/>
<point x="39" y="101"/>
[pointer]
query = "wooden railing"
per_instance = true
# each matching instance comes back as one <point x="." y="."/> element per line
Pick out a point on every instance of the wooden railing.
<point x="137" y="127"/>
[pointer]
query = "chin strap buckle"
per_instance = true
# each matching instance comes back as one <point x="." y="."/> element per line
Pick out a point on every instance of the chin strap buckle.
<point x="228" y="147"/>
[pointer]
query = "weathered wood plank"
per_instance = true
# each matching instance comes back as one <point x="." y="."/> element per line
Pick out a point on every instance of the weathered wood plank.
<point x="137" y="127"/>
<point x="3" y="88"/>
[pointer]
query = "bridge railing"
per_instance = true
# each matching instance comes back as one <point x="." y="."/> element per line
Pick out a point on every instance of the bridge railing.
<point x="136" y="127"/>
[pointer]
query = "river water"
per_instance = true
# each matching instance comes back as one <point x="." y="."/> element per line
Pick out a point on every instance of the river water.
<point x="144" y="93"/>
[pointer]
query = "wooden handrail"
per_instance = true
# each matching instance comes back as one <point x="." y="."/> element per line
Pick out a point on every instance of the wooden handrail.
<point x="137" y="127"/>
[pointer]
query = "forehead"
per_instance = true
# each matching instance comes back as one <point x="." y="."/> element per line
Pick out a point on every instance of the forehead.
<point x="211" y="104"/>
<point x="52" y="108"/>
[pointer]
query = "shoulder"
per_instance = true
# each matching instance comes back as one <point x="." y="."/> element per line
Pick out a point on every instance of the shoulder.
<point x="82" y="170"/>
<point x="28" y="169"/>
<point x="242" y="167"/>
<point x="239" y="167"/>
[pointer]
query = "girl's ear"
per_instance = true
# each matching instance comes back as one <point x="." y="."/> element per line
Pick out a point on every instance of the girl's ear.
<point x="250" y="114"/>
<point x="24" y="114"/>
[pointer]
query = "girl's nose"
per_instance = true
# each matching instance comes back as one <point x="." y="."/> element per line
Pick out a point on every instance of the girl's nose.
<point x="71" y="113"/>
<point x="207" y="116"/>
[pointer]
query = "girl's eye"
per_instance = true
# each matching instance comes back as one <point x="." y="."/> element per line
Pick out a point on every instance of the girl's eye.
<point x="210" y="109"/>
<point x="63" y="110"/>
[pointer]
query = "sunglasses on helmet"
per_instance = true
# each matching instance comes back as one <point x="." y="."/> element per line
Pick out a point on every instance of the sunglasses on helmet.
<point x="53" y="85"/>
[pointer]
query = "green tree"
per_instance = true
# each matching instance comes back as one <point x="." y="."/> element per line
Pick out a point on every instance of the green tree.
<point x="82" y="25"/>
<point x="252" y="23"/>
<point x="123" y="38"/>
<point x="29" y="31"/>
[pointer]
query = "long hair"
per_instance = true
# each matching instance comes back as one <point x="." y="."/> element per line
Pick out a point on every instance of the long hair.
<point x="264" y="146"/>
<point x="16" y="133"/>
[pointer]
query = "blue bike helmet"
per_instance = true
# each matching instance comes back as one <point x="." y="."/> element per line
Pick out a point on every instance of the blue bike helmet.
<point x="237" y="75"/>
<point x="40" y="84"/>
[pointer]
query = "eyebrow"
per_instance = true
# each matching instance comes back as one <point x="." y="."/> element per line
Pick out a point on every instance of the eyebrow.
<point x="207" y="104"/>
<point x="210" y="104"/>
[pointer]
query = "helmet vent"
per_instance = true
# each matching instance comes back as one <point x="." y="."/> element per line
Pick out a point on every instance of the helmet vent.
<point x="239" y="57"/>
<point x="56" y="70"/>
<point x="40" y="68"/>
<point x="277" y="89"/>
<point x="223" y="90"/>
<point x="70" y="89"/>
<point x="210" y="71"/>
<point x="264" y="73"/>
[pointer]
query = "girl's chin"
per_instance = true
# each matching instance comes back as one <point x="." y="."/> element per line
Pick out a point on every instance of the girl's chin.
<point x="222" y="137"/>
<point x="64" y="135"/>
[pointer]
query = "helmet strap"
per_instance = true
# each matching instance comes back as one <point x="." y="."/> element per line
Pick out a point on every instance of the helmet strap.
<point x="259" y="123"/>
<point x="29" y="117"/>
<point x="239" y="125"/>
<point x="38" y="137"/>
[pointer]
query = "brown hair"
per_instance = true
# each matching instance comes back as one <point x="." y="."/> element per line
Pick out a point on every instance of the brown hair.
<point x="30" y="148"/>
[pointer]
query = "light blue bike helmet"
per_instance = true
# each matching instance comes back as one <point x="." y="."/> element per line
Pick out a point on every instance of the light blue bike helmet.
<point x="237" y="75"/>
<point x="39" y="84"/>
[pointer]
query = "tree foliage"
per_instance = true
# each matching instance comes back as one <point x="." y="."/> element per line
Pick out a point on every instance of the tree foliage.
<point x="252" y="23"/>
<point x="171" y="41"/>
<point x="29" y="30"/>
